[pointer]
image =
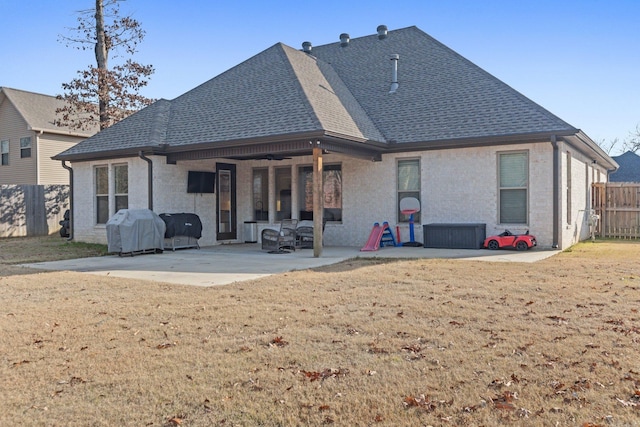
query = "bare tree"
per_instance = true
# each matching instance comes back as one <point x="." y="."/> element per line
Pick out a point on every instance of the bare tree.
<point x="633" y="143"/>
<point x="103" y="94"/>
<point x="608" y="146"/>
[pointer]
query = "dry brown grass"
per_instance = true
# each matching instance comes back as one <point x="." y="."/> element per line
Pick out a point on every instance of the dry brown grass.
<point x="421" y="342"/>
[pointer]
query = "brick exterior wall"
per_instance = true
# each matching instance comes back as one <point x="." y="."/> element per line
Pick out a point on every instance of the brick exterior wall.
<point x="457" y="186"/>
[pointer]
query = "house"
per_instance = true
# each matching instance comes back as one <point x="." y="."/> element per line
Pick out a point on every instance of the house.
<point x="29" y="138"/>
<point x="34" y="189"/>
<point x="382" y="117"/>
<point x="629" y="170"/>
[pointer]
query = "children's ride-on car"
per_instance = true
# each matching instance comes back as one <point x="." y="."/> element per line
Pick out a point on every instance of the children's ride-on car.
<point x="507" y="239"/>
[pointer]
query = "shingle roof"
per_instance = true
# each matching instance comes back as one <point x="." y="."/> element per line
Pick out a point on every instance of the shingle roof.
<point x="279" y="91"/>
<point x="339" y="90"/>
<point x="629" y="170"/>
<point x="146" y="128"/>
<point x="441" y="95"/>
<point x="39" y="111"/>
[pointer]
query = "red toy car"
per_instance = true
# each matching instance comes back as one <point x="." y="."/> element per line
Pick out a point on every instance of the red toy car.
<point x="507" y="239"/>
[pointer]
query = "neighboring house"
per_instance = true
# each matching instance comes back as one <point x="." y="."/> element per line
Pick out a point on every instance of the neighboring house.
<point x="34" y="189"/>
<point x="386" y="116"/>
<point x="629" y="170"/>
<point x="29" y="138"/>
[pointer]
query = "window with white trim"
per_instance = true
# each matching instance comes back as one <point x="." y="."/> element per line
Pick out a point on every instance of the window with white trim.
<point x="102" y="194"/>
<point x="4" y="150"/>
<point x="513" y="182"/>
<point x="121" y="186"/>
<point x="408" y="186"/>
<point x="25" y="147"/>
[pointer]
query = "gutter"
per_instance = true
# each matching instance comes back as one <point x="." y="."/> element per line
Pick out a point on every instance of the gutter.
<point x="165" y="149"/>
<point x="603" y="158"/>
<point x="61" y="132"/>
<point x="556" y="192"/>
<point x="149" y="179"/>
<point x="70" y="169"/>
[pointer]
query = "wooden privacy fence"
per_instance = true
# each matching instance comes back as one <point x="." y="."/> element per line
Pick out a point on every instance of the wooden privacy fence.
<point x="32" y="210"/>
<point x="618" y="205"/>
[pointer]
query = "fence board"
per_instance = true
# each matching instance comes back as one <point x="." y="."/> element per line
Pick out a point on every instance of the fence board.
<point x="618" y="205"/>
<point x="32" y="210"/>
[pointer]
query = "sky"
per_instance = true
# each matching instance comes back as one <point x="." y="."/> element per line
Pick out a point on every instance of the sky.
<point x="579" y="59"/>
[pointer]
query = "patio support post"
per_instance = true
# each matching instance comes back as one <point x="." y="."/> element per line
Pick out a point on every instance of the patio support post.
<point x="318" y="200"/>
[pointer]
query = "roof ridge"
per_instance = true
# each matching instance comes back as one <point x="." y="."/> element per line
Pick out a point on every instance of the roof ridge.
<point x="305" y="98"/>
<point x="371" y="35"/>
<point x="324" y="86"/>
<point x="161" y="117"/>
<point x="27" y="91"/>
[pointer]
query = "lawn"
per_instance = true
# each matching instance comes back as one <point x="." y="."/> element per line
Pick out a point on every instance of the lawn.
<point x="361" y="343"/>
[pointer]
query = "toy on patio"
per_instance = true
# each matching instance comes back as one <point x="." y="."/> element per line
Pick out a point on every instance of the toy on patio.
<point x="410" y="206"/>
<point x="507" y="239"/>
<point x="380" y="236"/>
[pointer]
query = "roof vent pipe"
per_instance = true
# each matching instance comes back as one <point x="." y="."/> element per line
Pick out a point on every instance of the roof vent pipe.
<point x="382" y="32"/>
<point x="394" y="73"/>
<point x="306" y="47"/>
<point x="344" y="39"/>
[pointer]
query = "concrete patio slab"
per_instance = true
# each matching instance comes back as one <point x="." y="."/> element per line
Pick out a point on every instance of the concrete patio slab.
<point x="223" y="264"/>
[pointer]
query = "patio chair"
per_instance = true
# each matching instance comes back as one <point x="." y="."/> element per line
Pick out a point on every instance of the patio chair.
<point x="278" y="241"/>
<point x="304" y="233"/>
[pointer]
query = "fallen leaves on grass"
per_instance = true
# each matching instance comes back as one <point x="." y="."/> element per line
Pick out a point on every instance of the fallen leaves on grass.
<point x="327" y="373"/>
<point x="165" y="345"/>
<point x="505" y="400"/>
<point x="424" y="402"/>
<point x="278" y="342"/>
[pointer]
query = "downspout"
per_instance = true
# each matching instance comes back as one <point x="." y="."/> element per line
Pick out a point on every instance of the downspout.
<point x="70" y="169"/>
<point x="149" y="178"/>
<point x="556" y="192"/>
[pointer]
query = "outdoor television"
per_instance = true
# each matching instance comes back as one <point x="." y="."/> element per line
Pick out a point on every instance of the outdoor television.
<point x="201" y="182"/>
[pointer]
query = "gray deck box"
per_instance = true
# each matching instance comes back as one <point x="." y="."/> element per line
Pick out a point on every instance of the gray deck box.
<point x="454" y="236"/>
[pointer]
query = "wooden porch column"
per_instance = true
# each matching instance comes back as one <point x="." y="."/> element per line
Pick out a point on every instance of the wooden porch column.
<point x="318" y="200"/>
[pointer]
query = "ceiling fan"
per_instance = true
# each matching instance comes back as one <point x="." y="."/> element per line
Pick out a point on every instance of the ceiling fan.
<point x="273" y="157"/>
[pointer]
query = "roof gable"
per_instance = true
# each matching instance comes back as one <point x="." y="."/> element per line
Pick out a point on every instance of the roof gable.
<point x="257" y="98"/>
<point x="39" y="111"/>
<point x="330" y="100"/>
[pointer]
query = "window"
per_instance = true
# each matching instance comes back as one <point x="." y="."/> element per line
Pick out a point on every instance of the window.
<point x="331" y="188"/>
<point x="261" y="194"/>
<point x="121" y="186"/>
<point x="283" y="193"/>
<point x="408" y="186"/>
<point x="102" y="194"/>
<point x="25" y="147"/>
<point x="513" y="187"/>
<point x="4" y="150"/>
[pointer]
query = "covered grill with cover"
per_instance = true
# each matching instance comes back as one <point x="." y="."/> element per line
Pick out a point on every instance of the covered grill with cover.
<point x="182" y="230"/>
<point x="135" y="231"/>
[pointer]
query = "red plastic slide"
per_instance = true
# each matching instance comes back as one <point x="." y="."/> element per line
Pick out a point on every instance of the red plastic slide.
<point x="374" y="238"/>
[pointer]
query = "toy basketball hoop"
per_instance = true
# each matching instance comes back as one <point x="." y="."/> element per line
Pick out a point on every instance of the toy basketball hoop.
<point x="409" y="206"/>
